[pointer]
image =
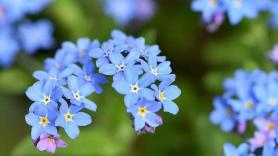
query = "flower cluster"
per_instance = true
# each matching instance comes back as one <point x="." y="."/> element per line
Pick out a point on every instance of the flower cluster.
<point x="20" y="34"/>
<point x="235" y="9"/>
<point x="249" y="97"/>
<point x="64" y="87"/>
<point x="124" y="11"/>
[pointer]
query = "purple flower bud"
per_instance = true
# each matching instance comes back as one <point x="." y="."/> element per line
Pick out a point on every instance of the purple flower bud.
<point x="273" y="55"/>
<point x="241" y="127"/>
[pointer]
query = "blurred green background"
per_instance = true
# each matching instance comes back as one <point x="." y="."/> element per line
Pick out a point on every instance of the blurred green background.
<point x="200" y="59"/>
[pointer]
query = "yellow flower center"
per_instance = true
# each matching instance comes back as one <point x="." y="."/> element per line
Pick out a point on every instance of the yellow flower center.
<point x="161" y="96"/>
<point x="68" y="117"/>
<point x="142" y="111"/>
<point x="271" y="126"/>
<point x="154" y="71"/>
<point x="249" y="105"/>
<point x="273" y="101"/>
<point x="44" y="121"/>
<point x="213" y="2"/>
<point x="51" y="139"/>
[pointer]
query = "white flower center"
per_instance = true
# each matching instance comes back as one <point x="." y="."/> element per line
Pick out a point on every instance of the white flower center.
<point x="134" y="88"/>
<point x="121" y="67"/>
<point x="273" y="101"/>
<point x="68" y="117"/>
<point x="46" y="99"/>
<point x="154" y="71"/>
<point x="76" y="95"/>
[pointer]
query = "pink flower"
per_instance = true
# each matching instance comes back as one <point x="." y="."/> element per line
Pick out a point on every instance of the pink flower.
<point x="49" y="143"/>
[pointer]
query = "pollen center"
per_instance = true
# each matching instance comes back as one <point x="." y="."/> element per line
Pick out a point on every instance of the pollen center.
<point x="68" y="117"/>
<point x="134" y="88"/>
<point x="213" y="2"/>
<point x="273" y="101"/>
<point x="161" y="96"/>
<point x="46" y="99"/>
<point x="271" y="126"/>
<point x="249" y="105"/>
<point x="43" y="121"/>
<point x="51" y="139"/>
<point x="76" y="96"/>
<point x="142" y="111"/>
<point x="87" y="77"/>
<point x="121" y="67"/>
<point x="154" y="71"/>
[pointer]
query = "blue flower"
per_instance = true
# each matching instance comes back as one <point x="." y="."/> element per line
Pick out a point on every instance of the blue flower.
<point x="44" y="95"/>
<point x="120" y="64"/>
<point x="269" y="149"/>
<point x="155" y="71"/>
<point x="237" y="9"/>
<point x="133" y="88"/>
<point x="102" y="54"/>
<point x="88" y="75"/>
<point x="231" y="150"/>
<point x="166" y="94"/>
<point x="61" y="60"/>
<point x="8" y="47"/>
<point x="77" y="93"/>
<point x="267" y="95"/>
<point x="34" y="36"/>
<point x="144" y="113"/>
<point x="70" y="118"/>
<point x="223" y="115"/>
<point x="40" y="124"/>
<point x="208" y="8"/>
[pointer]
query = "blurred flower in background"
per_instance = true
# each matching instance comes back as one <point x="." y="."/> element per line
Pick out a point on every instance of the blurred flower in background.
<point x="236" y="10"/>
<point x="125" y="11"/>
<point x="18" y="33"/>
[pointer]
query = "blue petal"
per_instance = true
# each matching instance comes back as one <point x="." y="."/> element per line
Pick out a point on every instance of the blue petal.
<point x="153" y="106"/>
<point x="108" y="69"/>
<point x="164" y="68"/>
<point x="72" y="130"/>
<point x="64" y="106"/>
<point x="89" y="104"/>
<point x="36" y="132"/>
<point x="73" y="83"/>
<point x="96" y="52"/>
<point x="152" y="119"/>
<point x="147" y="93"/>
<point x="121" y="87"/>
<point x="116" y="58"/>
<point x="86" y="90"/>
<point x="60" y="121"/>
<point x="172" y="92"/>
<point x="34" y="92"/>
<point x="171" y="107"/>
<point x="82" y="119"/>
<point x="32" y="119"/>
<point x="40" y="75"/>
<point x="130" y="99"/>
<point x="51" y="130"/>
<point x="139" y="123"/>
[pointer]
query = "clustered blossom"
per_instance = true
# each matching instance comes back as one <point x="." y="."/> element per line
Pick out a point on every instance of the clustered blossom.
<point x="236" y="10"/>
<point x="17" y="33"/>
<point x="124" y="11"/>
<point x="249" y="97"/>
<point x="64" y="86"/>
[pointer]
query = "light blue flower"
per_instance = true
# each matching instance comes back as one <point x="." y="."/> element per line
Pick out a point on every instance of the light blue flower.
<point x="44" y="95"/>
<point x="238" y="9"/>
<point x="166" y="93"/>
<point x="35" y="36"/>
<point x="208" y="8"/>
<point x="70" y="118"/>
<point x="88" y="75"/>
<point x="231" y="150"/>
<point x="40" y="124"/>
<point x="144" y="113"/>
<point x="223" y="115"/>
<point x="8" y="47"/>
<point x="133" y="88"/>
<point x="77" y="93"/>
